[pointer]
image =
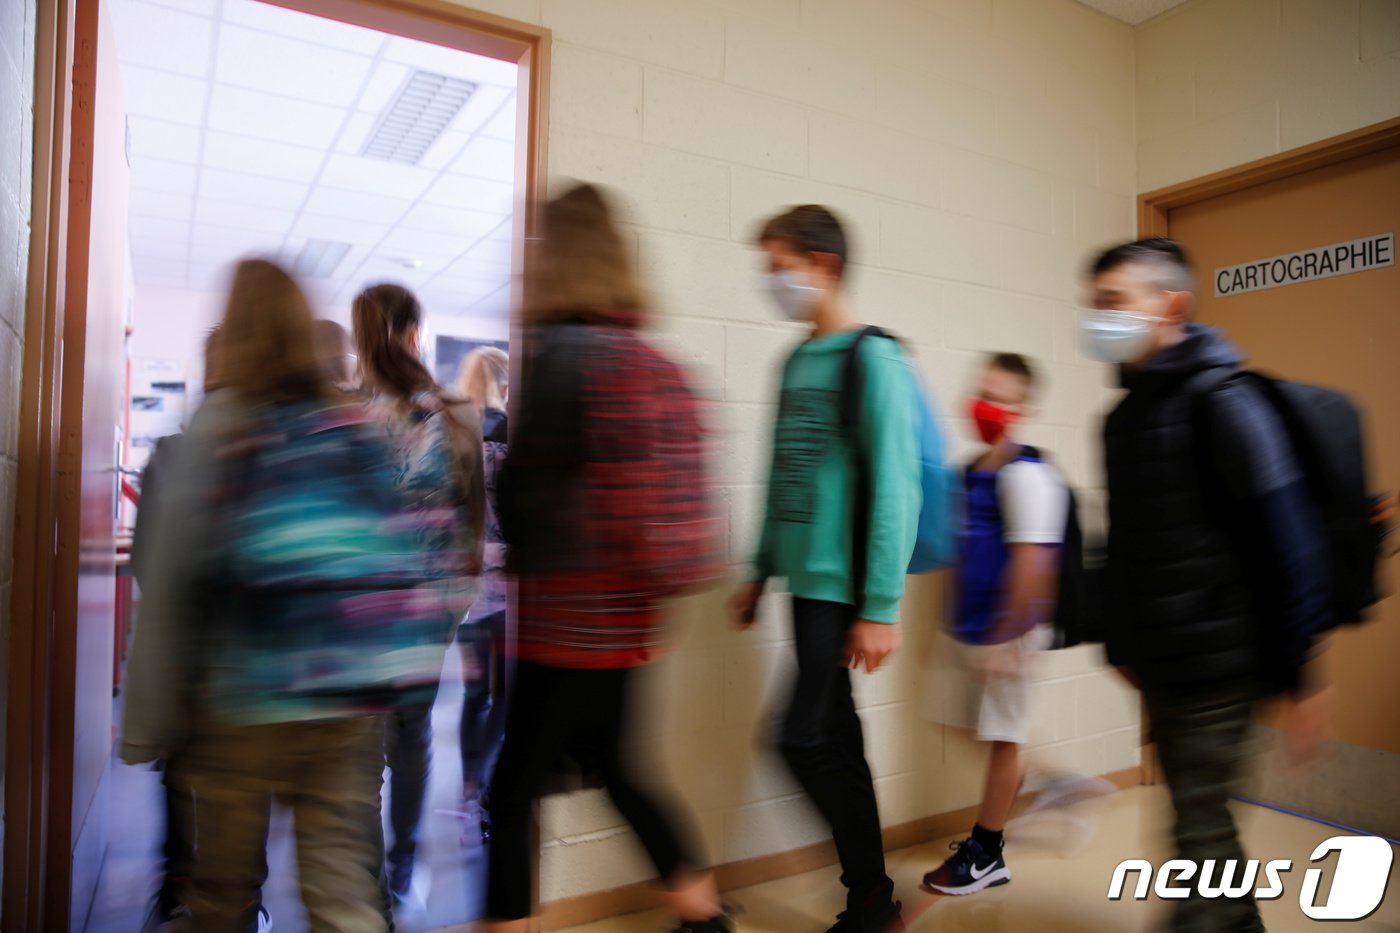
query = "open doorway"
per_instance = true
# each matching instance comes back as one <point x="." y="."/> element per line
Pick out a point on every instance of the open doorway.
<point x="355" y="142"/>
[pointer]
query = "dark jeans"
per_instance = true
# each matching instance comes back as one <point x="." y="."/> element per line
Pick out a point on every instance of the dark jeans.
<point x="823" y="745"/>
<point x="482" y="643"/>
<point x="553" y="710"/>
<point x="408" y="750"/>
<point x="1200" y="737"/>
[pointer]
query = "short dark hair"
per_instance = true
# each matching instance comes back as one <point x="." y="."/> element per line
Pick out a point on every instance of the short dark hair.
<point x="1164" y="259"/>
<point x="1016" y="365"/>
<point x="809" y="228"/>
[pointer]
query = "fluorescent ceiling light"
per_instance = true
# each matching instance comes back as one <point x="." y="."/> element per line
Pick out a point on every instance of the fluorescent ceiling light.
<point x="424" y="107"/>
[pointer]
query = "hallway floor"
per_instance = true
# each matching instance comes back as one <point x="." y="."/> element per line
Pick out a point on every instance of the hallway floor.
<point x="1061" y="869"/>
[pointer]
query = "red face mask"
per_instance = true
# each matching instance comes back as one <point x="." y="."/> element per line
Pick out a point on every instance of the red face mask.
<point x="991" y="419"/>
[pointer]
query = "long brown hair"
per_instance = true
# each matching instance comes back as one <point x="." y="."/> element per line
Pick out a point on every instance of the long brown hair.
<point x="582" y="265"/>
<point x="484" y="374"/>
<point x="265" y="349"/>
<point x="382" y="315"/>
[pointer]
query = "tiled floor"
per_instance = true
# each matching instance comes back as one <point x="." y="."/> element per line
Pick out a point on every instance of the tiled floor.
<point x="454" y="873"/>
<point x="1060" y="880"/>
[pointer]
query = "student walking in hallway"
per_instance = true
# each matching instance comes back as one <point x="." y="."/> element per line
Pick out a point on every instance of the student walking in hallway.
<point x="1217" y="580"/>
<point x="604" y="505"/>
<point x="845" y="592"/>
<point x="1016" y="509"/>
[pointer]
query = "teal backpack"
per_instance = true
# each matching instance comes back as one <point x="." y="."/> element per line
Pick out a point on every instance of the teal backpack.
<point x="332" y="601"/>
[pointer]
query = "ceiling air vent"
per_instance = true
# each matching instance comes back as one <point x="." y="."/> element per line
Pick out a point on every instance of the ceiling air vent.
<point x="424" y="107"/>
<point x="319" y="258"/>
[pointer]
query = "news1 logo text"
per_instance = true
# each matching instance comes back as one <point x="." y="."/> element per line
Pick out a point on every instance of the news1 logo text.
<point x="1359" y="878"/>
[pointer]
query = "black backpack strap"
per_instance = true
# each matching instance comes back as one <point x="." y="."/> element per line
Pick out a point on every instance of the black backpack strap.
<point x="849" y="411"/>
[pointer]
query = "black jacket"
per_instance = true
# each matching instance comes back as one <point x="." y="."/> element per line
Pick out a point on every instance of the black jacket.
<point x="1216" y="572"/>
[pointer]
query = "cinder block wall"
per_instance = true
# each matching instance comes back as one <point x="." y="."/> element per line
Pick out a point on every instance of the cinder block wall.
<point x="17" y="24"/>
<point x="1223" y="82"/>
<point x="979" y="149"/>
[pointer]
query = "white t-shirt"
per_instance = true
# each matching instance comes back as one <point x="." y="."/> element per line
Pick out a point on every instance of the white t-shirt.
<point x="1034" y="503"/>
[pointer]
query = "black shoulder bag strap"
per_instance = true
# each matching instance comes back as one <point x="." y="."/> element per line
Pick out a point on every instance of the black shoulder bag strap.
<point x="849" y="410"/>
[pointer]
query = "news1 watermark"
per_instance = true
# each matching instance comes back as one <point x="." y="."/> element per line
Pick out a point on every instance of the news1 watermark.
<point x="1359" y="878"/>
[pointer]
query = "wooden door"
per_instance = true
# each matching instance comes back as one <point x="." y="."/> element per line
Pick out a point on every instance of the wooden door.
<point x="1343" y="331"/>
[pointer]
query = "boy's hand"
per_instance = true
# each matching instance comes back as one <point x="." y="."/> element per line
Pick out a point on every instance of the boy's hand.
<point x="743" y="605"/>
<point x="870" y="643"/>
<point x="1306" y="723"/>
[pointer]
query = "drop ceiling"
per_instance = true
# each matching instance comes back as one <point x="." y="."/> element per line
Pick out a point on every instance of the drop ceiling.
<point x="248" y="125"/>
<point x="1133" y="12"/>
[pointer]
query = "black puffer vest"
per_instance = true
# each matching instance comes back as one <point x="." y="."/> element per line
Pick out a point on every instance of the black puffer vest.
<point x="1179" y="609"/>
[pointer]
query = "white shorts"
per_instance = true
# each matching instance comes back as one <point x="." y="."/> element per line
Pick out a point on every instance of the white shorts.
<point x="995" y="704"/>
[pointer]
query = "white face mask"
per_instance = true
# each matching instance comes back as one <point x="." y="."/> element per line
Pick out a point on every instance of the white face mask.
<point x="1116" y="336"/>
<point x="795" y="298"/>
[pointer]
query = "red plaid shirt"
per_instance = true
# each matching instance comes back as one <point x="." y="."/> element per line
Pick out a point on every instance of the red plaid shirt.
<point x="605" y="500"/>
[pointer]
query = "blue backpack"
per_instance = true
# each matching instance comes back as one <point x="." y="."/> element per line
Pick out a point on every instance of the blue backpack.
<point x="936" y="544"/>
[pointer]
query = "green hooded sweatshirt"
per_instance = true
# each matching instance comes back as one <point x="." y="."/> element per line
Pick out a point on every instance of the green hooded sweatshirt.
<point x="808" y="531"/>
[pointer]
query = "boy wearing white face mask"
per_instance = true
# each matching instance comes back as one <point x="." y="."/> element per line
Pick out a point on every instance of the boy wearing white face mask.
<point x="1216" y="583"/>
<point x="845" y="592"/>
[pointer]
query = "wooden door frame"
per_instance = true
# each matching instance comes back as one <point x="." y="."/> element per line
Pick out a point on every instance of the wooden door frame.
<point x="47" y="488"/>
<point x="1154" y="214"/>
<point x="1154" y="208"/>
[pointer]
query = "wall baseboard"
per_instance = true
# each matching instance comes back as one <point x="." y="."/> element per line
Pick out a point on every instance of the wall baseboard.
<point x="632" y="898"/>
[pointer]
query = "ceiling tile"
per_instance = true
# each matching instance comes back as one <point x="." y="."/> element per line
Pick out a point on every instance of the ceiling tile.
<point x="355" y="133"/>
<point x="266" y="116"/>
<point x="481" y="107"/>
<point x="309" y="72"/>
<point x="502" y="125"/>
<point x="253" y="190"/>
<point x="150" y="280"/>
<point x="474" y="268"/>
<point x="159" y="139"/>
<point x="282" y="22"/>
<point x="195" y="7"/>
<point x="452" y="62"/>
<point x="338" y="229"/>
<point x="435" y="218"/>
<point x="337" y="202"/>
<point x="476" y="194"/>
<point x="211" y="243"/>
<point x="386" y="178"/>
<point x="146" y="203"/>
<point x="157" y="228"/>
<point x="165" y="96"/>
<point x="158" y="175"/>
<point x="442" y="152"/>
<point x="496" y="305"/>
<point x="487" y="158"/>
<point x="163" y="38"/>
<point x="494" y="250"/>
<point x="421" y="244"/>
<point x="386" y="81"/>
<point x="466" y="290"/>
<point x="261" y="157"/>
<point x="244" y="216"/>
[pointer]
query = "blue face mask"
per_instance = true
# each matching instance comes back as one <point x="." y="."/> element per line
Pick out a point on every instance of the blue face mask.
<point x="1116" y="336"/>
<point x="794" y="297"/>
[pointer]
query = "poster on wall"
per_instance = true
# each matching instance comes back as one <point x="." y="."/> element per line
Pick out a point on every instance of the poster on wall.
<point x="159" y="403"/>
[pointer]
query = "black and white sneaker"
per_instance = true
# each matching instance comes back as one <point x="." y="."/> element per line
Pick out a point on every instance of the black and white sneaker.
<point x="968" y="870"/>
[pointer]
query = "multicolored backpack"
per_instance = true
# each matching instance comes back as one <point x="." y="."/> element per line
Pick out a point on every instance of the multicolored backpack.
<point x="336" y="604"/>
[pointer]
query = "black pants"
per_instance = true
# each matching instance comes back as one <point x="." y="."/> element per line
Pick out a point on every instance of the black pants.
<point x="482" y="643"/>
<point x="823" y="745"/>
<point x="554" y="710"/>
